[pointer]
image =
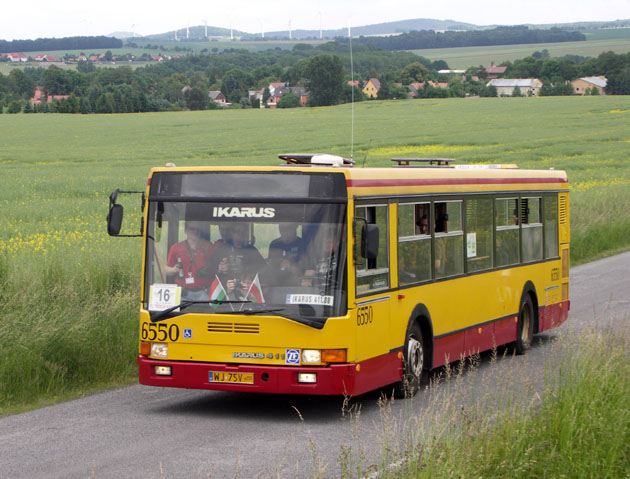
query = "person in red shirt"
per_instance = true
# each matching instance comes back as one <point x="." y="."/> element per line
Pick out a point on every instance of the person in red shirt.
<point x="188" y="262"/>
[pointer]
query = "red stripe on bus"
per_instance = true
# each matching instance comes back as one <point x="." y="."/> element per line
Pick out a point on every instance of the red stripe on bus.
<point x="445" y="181"/>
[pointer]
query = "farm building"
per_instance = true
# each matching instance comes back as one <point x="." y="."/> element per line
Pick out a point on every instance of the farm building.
<point x="506" y="86"/>
<point x="582" y="85"/>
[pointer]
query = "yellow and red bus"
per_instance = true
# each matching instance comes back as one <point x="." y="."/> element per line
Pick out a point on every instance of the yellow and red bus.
<point x="384" y="273"/>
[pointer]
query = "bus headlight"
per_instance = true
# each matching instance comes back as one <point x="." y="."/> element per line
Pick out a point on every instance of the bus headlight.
<point x="310" y="356"/>
<point x="159" y="350"/>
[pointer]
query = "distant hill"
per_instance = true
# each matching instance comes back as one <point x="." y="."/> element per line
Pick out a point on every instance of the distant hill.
<point x="198" y="32"/>
<point x="390" y="28"/>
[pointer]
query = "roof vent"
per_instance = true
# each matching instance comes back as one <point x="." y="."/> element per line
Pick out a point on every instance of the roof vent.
<point x="315" y="159"/>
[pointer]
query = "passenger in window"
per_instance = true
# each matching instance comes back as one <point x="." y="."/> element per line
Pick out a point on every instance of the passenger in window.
<point x="188" y="262"/>
<point x="285" y="256"/>
<point x="422" y="226"/>
<point x="321" y="262"/>
<point x="236" y="261"/>
<point x="224" y="232"/>
<point x="441" y="218"/>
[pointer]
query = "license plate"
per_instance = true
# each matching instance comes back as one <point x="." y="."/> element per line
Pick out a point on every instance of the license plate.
<point x="233" y="378"/>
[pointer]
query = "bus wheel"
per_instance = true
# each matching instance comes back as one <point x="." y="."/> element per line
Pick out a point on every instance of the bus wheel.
<point x="413" y="365"/>
<point x="525" y="326"/>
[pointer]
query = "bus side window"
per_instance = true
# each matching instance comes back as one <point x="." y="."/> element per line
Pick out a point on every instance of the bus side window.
<point x="532" y="229"/>
<point x="448" y="242"/>
<point x="507" y="237"/>
<point x="414" y="243"/>
<point x="550" y="225"/>
<point x="479" y="237"/>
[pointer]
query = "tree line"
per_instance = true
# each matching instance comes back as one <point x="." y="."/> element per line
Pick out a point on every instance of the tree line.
<point x="425" y="39"/>
<point x="53" y="44"/>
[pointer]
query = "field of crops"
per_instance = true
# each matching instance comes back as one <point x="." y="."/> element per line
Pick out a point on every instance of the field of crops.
<point x="465" y="57"/>
<point x="69" y="292"/>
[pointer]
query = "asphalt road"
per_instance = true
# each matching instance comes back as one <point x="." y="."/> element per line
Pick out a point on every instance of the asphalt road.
<point x="145" y="432"/>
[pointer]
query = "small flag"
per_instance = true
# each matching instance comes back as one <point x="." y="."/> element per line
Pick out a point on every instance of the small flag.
<point x="254" y="294"/>
<point x="217" y="292"/>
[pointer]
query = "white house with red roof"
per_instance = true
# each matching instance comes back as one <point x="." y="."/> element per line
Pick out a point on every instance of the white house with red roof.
<point x="17" y="57"/>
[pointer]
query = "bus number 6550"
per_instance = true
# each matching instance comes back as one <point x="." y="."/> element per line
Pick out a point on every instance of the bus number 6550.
<point x="159" y="332"/>
<point x="365" y="315"/>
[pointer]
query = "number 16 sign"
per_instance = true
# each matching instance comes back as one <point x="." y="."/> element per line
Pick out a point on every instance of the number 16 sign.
<point x="164" y="296"/>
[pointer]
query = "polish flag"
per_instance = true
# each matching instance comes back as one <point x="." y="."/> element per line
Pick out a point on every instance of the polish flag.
<point x="254" y="294"/>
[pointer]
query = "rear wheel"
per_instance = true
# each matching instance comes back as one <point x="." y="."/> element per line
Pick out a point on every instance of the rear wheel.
<point x="413" y="365"/>
<point x="525" y="326"/>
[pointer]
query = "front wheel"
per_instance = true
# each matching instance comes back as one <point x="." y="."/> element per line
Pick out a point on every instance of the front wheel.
<point x="413" y="365"/>
<point x="525" y="326"/>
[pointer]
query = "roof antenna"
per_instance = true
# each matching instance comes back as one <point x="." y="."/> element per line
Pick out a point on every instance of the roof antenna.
<point x="366" y="153"/>
<point x="352" y="95"/>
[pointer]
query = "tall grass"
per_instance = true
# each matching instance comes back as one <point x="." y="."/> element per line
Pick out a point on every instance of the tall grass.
<point x="70" y="294"/>
<point x="67" y="327"/>
<point x="577" y="427"/>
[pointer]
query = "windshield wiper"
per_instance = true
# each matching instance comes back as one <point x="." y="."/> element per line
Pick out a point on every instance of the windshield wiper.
<point x="161" y="315"/>
<point x="260" y="311"/>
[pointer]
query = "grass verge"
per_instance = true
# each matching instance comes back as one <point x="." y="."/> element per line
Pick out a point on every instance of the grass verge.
<point x="577" y="427"/>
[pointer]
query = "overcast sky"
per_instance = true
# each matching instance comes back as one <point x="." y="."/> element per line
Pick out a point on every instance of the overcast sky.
<point x="64" y="18"/>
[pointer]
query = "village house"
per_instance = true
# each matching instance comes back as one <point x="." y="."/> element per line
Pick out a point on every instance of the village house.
<point x="17" y="57"/>
<point x="506" y="86"/>
<point x="218" y="98"/>
<point x="582" y="86"/>
<point x="39" y="97"/>
<point x="494" y="71"/>
<point x="372" y="87"/>
<point x="277" y="92"/>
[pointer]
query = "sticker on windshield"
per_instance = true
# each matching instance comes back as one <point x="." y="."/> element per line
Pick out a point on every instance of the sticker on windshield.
<point x="164" y="296"/>
<point x="312" y="299"/>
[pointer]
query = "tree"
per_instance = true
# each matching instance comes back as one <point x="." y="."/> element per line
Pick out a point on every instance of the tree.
<point x="21" y="84"/>
<point x="324" y="80"/>
<point x="352" y="93"/>
<point x="414" y="72"/>
<point x="15" y="106"/>
<point x="488" y="91"/>
<point x="55" y="81"/>
<point x="85" y="66"/>
<point x="196" y="98"/>
<point x="517" y="91"/>
<point x="289" y="100"/>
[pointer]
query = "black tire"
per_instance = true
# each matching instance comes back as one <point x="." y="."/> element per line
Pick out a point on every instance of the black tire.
<point x="525" y="325"/>
<point x="414" y="363"/>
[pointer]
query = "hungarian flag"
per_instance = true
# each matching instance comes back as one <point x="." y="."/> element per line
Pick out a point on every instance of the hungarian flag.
<point x="254" y="294"/>
<point x="217" y="292"/>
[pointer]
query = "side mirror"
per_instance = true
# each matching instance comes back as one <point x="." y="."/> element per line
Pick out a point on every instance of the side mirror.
<point x="114" y="220"/>
<point x="369" y="241"/>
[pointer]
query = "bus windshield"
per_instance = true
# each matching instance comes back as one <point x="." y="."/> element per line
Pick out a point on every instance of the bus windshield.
<point x="283" y="259"/>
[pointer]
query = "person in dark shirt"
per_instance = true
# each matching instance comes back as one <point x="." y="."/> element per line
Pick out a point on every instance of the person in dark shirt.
<point x="236" y="261"/>
<point x="285" y="256"/>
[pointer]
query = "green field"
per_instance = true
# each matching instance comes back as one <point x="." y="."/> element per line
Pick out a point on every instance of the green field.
<point x="598" y="41"/>
<point x="70" y="292"/>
